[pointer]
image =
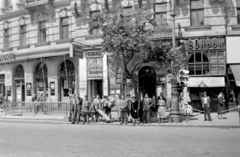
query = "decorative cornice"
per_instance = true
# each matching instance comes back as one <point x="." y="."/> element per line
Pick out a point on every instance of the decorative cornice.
<point x="13" y="14"/>
<point x="61" y="3"/>
<point x="203" y="27"/>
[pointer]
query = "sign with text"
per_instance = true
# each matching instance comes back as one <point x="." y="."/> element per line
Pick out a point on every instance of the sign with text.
<point x="77" y="51"/>
<point x="205" y="43"/>
<point x="29" y="89"/>
<point x="95" y="68"/>
<point x="93" y="54"/>
<point x="7" y="57"/>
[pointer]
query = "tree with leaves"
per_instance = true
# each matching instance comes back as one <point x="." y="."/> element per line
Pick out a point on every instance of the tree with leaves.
<point x="128" y="38"/>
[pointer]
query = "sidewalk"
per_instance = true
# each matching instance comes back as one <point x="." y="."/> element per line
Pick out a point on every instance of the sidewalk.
<point x="230" y="120"/>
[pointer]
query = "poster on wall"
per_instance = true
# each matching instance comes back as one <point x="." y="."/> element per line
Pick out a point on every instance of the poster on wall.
<point x="40" y="86"/>
<point x="52" y="87"/>
<point x="29" y="89"/>
<point x="95" y="68"/>
<point x="9" y="91"/>
<point x="19" y="93"/>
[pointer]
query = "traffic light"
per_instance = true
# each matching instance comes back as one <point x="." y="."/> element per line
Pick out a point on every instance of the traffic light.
<point x="183" y="77"/>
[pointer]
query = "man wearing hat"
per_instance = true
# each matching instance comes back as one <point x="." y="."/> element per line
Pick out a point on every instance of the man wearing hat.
<point x="77" y="108"/>
<point x="124" y="110"/>
<point x="206" y="106"/>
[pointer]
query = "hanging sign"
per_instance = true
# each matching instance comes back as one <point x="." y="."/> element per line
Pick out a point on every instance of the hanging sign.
<point x="95" y="68"/>
<point x="205" y="43"/>
<point x="9" y="91"/>
<point x="29" y="89"/>
<point x="93" y="54"/>
<point x="65" y="84"/>
<point x="77" y="51"/>
<point x="40" y="86"/>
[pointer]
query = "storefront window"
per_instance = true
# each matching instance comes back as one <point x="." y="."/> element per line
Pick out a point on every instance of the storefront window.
<point x="206" y="62"/>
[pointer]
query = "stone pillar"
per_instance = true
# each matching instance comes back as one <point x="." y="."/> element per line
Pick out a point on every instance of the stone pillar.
<point x="175" y="116"/>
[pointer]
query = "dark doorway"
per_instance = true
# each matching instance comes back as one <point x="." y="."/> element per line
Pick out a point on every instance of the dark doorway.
<point x="147" y="81"/>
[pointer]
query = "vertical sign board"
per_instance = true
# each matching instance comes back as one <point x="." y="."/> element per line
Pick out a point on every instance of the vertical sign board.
<point x="19" y="93"/>
<point x="77" y="51"/>
<point x="52" y="87"/>
<point x="8" y="82"/>
<point x="29" y="89"/>
<point x="94" y="68"/>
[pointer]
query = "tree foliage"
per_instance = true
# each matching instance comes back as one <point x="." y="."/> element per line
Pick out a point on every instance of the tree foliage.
<point x="128" y="37"/>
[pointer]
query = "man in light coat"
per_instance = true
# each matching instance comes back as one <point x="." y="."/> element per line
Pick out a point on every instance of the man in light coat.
<point x="206" y="106"/>
<point x="146" y="105"/>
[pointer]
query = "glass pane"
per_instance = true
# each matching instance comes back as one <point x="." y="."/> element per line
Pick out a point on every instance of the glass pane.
<point x="206" y="69"/>
<point x="191" y="69"/>
<point x="213" y="57"/>
<point x="214" y="69"/>
<point x="205" y="58"/>
<point x="198" y="69"/>
<point x="198" y="57"/>
<point x="64" y="21"/>
<point x="23" y="39"/>
<point x="161" y="7"/>
<point x="191" y="59"/>
<point x="161" y="18"/>
<point x="42" y="25"/>
<point x="221" y="69"/>
<point x="65" y="32"/>
<point x="200" y="17"/>
<point x="194" y="18"/>
<point x="196" y="4"/>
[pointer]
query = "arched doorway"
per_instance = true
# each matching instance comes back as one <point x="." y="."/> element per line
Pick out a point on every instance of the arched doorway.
<point x="41" y="79"/>
<point x="147" y="81"/>
<point x="19" y="83"/>
<point x="67" y="79"/>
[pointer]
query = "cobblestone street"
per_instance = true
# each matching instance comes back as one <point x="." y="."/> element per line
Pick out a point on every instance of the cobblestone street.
<point x="49" y="140"/>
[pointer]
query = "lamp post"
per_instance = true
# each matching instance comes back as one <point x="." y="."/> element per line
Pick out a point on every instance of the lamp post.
<point x="175" y="115"/>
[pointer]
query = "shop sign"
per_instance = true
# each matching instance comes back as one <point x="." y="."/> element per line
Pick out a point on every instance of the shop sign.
<point x="205" y="43"/>
<point x="77" y="51"/>
<point x="93" y="54"/>
<point x="95" y="68"/>
<point x="29" y="89"/>
<point x="7" y="57"/>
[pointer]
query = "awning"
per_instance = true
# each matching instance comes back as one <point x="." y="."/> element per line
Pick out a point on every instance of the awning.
<point x="204" y="82"/>
<point x="233" y="50"/>
<point x="236" y="73"/>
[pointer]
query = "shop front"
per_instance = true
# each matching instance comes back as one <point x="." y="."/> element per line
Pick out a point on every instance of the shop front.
<point x="233" y="69"/>
<point x="206" y="65"/>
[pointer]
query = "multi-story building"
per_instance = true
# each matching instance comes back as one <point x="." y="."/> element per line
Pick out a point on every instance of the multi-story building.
<point x="36" y="39"/>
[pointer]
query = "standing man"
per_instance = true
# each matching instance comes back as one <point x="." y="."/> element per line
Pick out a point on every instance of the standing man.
<point x="117" y="103"/>
<point x="206" y="106"/>
<point x="85" y="109"/>
<point x="77" y="109"/>
<point x="98" y="106"/>
<point x="35" y="105"/>
<point x="124" y="110"/>
<point x="140" y="108"/>
<point x="71" y="101"/>
<point x="146" y="106"/>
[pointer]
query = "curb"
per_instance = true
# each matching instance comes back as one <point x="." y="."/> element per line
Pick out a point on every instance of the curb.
<point x="117" y="124"/>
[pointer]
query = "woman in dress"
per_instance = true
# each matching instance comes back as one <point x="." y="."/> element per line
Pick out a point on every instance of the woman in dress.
<point x="161" y="109"/>
<point x="221" y="102"/>
<point x="134" y="110"/>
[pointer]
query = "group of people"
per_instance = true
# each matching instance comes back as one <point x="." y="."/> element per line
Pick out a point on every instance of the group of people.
<point x="4" y="102"/>
<point x="39" y="106"/>
<point x="142" y="110"/>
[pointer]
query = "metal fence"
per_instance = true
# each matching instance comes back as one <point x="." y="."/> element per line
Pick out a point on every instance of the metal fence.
<point x="37" y="108"/>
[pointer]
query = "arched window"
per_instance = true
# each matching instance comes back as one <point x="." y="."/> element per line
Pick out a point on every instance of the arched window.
<point x="198" y="64"/>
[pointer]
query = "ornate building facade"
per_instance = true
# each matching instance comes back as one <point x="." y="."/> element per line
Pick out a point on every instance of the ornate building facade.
<point x="37" y="37"/>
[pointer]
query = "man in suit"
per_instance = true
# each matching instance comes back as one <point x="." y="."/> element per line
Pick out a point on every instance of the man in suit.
<point x="85" y="109"/>
<point x="97" y="106"/>
<point x="77" y="108"/>
<point x="146" y="112"/>
<point x="124" y="105"/>
<point x="140" y="108"/>
<point x="206" y="106"/>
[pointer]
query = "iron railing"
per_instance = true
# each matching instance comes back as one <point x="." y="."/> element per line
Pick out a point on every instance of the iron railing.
<point x="37" y="108"/>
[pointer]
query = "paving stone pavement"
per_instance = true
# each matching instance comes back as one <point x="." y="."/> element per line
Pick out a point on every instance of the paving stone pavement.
<point x="50" y="140"/>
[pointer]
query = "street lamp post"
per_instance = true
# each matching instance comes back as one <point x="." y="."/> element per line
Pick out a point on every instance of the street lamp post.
<point x="175" y="116"/>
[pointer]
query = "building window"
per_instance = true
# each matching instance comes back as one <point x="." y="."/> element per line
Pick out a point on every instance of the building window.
<point x="92" y="14"/>
<point x="64" y="30"/>
<point x="23" y="33"/>
<point x="42" y="32"/>
<point x="197" y="12"/>
<point x="238" y="15"/>
<point x="160" y="13"/>
<point x="6" y="39"/>
<point x="6" y="3"/>
<point x="210" y="62"/>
